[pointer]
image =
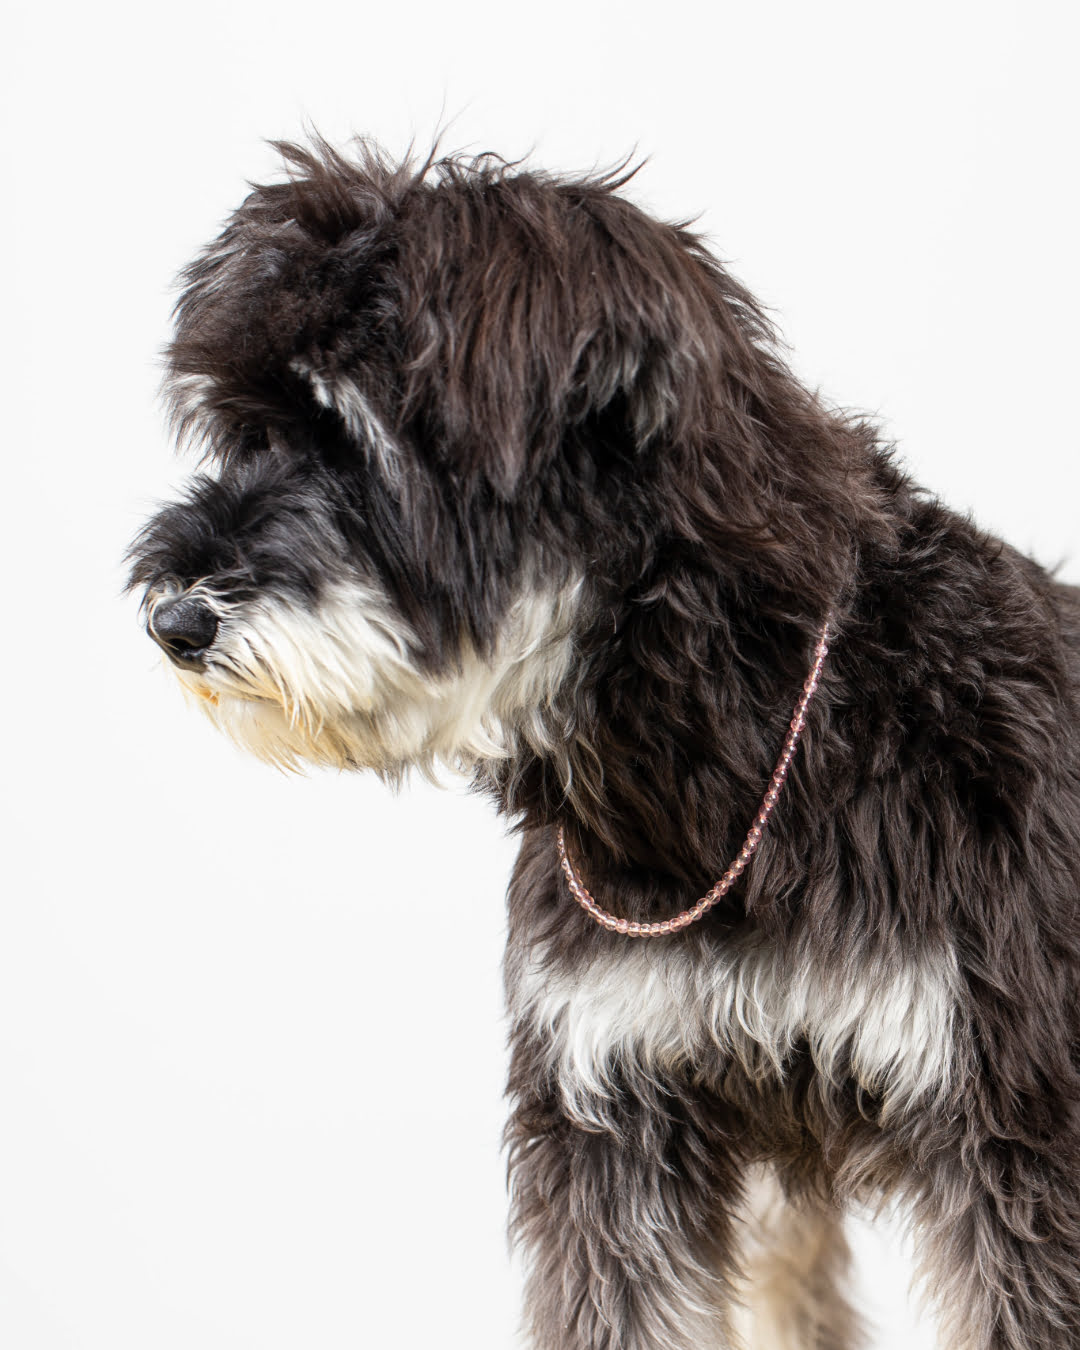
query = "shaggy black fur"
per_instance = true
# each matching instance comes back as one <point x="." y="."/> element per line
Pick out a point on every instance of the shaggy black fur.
<point x="574" y="390"/>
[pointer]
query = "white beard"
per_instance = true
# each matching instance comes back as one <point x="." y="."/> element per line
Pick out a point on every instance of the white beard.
<point x="337" y="684"/>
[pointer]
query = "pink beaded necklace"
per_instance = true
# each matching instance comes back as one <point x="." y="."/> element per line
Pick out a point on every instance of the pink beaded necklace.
<point x="749" y="848"/>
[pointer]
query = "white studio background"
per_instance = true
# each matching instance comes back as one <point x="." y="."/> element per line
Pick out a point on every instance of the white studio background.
<point x="251" y="1049"/>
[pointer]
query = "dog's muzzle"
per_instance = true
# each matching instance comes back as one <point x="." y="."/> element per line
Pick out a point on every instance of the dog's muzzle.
<point x="184" y="627"/>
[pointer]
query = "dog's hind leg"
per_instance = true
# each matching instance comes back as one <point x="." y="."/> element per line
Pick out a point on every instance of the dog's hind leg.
<point x="794" y="1267"/>
<point x="622" y="1221"/>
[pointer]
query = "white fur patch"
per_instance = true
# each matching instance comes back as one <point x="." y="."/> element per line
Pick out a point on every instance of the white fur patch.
<point x="336" y="684"/>
<point x="890" y="1025"/>
<point x="188" y="395"/>
<point x="344" y="397"/>
<point x="791" y="1268"/>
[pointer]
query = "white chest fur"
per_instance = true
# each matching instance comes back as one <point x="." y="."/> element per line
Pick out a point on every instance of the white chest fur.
<point x="888" y="1023"/>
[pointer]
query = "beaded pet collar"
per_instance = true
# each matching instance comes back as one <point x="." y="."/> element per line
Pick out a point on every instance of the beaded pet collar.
<point x="749" y="848"/>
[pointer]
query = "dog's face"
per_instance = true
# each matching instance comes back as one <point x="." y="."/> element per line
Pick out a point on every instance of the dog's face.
<point x="451" y="413"/>
<point x="292" y="598"/>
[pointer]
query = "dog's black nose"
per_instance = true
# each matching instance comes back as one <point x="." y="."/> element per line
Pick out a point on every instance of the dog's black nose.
<point x="184" y="626"/>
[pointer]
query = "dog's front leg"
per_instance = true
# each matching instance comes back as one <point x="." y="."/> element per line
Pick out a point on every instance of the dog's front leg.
<point x="622" y="1207"/>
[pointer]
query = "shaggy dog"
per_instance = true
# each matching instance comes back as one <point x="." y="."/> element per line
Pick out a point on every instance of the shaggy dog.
<point x="507" y="474"/>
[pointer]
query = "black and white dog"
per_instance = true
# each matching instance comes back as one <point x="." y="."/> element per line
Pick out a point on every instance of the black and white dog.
<point x="508" y="475"/>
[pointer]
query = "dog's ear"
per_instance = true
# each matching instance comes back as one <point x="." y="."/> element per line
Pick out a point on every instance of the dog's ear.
<point x="529" y="304"/>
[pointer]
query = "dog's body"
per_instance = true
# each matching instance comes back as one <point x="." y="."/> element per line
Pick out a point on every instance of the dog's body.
<point x="511" y="476"/>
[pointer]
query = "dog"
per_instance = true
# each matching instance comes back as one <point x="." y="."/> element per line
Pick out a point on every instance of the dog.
<point x="508" y="475"/>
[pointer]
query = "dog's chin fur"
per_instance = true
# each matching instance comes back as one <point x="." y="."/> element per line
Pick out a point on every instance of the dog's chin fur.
<point x="506" y="475"/>
<point x="335" y="685"/>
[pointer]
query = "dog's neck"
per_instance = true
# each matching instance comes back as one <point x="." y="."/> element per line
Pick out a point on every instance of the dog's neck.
<point x="656" y="754"/>
<point x="657" y="791"/>
<point x="756" y="832"/>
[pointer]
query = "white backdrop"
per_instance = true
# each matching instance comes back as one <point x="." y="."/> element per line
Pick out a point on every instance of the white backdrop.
<point x="251" y="1049"/>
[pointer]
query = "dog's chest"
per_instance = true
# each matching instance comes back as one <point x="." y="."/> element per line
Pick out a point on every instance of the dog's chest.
<point x="888" y="1023"/>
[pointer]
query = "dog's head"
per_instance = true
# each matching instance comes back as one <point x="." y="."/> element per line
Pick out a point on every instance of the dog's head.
<point x="455" y="413"/>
